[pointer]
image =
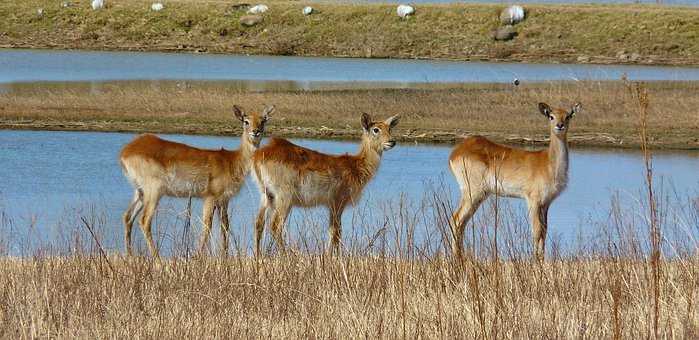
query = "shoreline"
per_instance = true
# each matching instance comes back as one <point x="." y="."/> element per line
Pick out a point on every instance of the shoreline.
<point x="602" y="34"/>
<point x="424" y="137"/>
<point x="441" y="116"/>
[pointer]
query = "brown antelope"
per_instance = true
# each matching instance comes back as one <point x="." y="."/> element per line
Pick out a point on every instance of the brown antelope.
<point x="289" y="175"/>
<point x="157" y="167"/>
<point x="482" y="167"/>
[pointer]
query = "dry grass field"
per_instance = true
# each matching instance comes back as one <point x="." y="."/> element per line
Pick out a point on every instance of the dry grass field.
<point x="302" y="296"/>
<point x="501" y="112"/>
<point x="564" y="33"/>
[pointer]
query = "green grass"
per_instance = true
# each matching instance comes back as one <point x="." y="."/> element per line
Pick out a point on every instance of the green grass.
<point x="456" y="31"/>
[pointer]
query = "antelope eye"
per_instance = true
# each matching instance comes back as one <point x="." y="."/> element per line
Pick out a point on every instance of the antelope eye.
<point x="246" y="122"/>
<point x="550" y="117"/>
<point x="376" y="130"/>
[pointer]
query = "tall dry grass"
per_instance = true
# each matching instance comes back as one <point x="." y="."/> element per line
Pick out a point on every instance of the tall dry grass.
<point x="394" y="281"/>
<point x="502" y="112"/>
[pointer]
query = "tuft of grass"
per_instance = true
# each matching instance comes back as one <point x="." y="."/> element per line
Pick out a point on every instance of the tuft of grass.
<point x="563" y="33"/>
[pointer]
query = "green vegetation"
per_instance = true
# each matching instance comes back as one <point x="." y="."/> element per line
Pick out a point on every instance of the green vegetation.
<point x="564" y="33"/>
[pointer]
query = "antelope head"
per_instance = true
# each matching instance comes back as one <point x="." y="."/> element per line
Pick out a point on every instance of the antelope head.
<point x="559" y="119"/>
<point x="378" y="134"/>
<point x="253" y="124"/>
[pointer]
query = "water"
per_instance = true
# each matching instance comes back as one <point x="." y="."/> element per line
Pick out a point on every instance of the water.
<point x="300" y="72"/>
<point x="52" y="177"/>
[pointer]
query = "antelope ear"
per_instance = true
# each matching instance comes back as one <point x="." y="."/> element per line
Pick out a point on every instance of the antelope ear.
<point x="545" y="109"/>
<point x="238" y="113"/>
<point x="392" y="121"/>
<point x="267" y="112"/>
<point x="366" y="121"/>
<point x="577" y="107"/>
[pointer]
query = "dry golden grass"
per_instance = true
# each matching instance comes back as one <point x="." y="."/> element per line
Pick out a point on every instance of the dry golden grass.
<point x="442" y="115"/>
<point x="598" y="33"/>
<point x="355" y="297"/>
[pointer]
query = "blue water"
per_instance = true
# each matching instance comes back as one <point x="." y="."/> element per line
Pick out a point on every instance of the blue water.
<point x="52" y="178"/>
<point x="42" y="65"/>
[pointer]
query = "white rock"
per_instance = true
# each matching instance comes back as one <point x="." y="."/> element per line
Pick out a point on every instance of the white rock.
<point x="157" y="6"/>
<point x="307" y="10"/>
<point x="512" y="15"/>
<point x="97" y="4"/>
<point x="258" y="9"/>
<point x="405" y="10"/>
<point x="40" y="12"/>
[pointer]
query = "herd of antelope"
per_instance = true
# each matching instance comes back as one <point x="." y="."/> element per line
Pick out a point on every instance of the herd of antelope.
<point x="288" y="175"/>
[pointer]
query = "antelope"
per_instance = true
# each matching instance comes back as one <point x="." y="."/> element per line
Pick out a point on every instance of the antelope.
<point x="482" y="167"/>
<point x="157" y="167"/>
<point x="289" y="176"/>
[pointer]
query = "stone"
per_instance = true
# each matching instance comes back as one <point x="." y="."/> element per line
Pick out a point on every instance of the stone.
<point x="250" y="20"/>
<point x="504" y="33"/>
<point x="512" y="15"/>
<point x="583" y="59"/>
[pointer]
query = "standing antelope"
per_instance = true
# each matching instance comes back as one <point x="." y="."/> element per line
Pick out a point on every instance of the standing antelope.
<point x="157" y="167"/>
<point x="482" y="167"/>
<point x="289" y="175"/>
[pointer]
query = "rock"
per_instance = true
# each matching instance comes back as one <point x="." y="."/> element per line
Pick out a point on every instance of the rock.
<point x="66" y="4"/>
<point x="97" y="4"/>
<point x="623" y="57"/>
<point x="157" y="6"/>
<point x="258" y="9"/>
<point x="583" y="59"/>
<point x="635" y="57"/>
<point x="405" y="11"/>
<point x="250" y="20"/>
<point x="40" y="12"/>
<point x="308" y="10"/>
<point x="512" y="15"/>
<point x="504" y="33"/>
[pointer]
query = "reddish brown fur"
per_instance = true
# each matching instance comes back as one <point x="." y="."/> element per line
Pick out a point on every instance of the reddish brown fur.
<point x="158" y="167"/>
<point x="482" y="168"/>
<point x="289" y="175"/>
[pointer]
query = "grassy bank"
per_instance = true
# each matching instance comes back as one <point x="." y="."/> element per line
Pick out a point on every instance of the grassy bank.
<point x="443" y="115"/>
<point x="562" y="33"/>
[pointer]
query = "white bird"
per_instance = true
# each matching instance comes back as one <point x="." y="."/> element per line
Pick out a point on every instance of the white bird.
<point x="97" y="4"/>
<point x="157" y="6"/>
<point x="257" y="9"/>
<point x="40" y="12"/>
<point x="514" y="14"/>
<point x="405" y="10"/>
<point x="307" y="10"/>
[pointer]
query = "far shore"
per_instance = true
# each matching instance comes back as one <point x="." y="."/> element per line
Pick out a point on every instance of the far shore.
<point x="570" y="33"/>
<point x="443" y="115"/>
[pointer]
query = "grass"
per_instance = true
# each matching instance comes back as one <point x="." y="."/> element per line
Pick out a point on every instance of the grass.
<point x="429" y="115"/>
<point x="399" y="287"/>
<point x="312" y="296"/>
<point x="561" y="33"/>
